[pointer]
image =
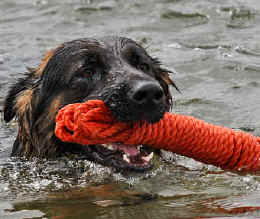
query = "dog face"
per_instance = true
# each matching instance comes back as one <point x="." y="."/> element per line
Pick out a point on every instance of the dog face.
<point x="116" y="70"/>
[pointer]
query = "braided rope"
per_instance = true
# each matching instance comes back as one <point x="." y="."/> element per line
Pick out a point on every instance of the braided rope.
<point x="91" y="123"/>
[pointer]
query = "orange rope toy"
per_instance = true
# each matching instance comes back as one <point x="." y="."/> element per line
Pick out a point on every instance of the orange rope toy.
<point x="91" y="123"/>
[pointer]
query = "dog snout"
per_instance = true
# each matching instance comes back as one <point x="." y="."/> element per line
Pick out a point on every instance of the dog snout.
<point x="145" y="94"/>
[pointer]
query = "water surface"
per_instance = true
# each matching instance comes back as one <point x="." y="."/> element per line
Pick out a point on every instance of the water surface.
<point x="212" y="45"/>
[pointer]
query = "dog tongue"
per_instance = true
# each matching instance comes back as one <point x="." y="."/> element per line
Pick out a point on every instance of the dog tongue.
<point x="130" y="150"/>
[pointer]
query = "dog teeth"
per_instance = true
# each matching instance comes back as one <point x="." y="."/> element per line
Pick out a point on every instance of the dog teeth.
<point x="148" y="157"/>
<point x="108" y="146"/>
<point x="125" y="158"/>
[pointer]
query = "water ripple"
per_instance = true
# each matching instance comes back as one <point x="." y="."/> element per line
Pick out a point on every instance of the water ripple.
<point x="191" y="19"/>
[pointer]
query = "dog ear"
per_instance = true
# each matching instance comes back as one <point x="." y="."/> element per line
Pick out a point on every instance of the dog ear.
<point x="164" y="79"/>
<point x="17" y="95"/>
<point x="20" y="93"/>
<point x="165" y="76"/>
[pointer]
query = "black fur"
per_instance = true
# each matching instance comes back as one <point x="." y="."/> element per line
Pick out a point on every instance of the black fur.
<point x="107" y="69"/>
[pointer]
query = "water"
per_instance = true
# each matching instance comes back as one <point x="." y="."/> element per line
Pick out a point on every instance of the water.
<point x="213" y="45"/>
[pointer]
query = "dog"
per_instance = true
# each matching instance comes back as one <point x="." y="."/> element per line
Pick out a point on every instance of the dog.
<point x="117" y="70"/>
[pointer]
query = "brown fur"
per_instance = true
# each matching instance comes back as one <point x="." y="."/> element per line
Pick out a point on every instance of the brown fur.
<point x="44" y="62"/>
<point x="24" y="108"/>
<point x="23" y="101"/>
<point x="36" y="117"/>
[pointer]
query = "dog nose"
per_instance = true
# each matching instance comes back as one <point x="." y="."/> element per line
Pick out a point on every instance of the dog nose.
<point x="146" y="94"/>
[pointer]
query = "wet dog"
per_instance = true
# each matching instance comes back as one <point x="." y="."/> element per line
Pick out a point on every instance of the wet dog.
<point x="116" y="70"/>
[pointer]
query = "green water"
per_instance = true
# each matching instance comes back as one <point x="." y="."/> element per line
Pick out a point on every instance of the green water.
<point x="214" y="47"/>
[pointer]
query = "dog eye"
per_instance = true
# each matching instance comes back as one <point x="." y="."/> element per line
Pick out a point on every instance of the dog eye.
<point x="85" y="71"/>
<point x="89" y="66"/>
<point x="92" y="60"/>
<point x="136" y="60"/>
<point x="144" y="67"/>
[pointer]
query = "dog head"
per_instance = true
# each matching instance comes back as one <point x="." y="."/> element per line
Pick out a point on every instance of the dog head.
<point x="117" y="70"/>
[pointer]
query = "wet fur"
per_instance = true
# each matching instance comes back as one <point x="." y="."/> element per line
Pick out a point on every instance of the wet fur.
<point x="35" y="99"/>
